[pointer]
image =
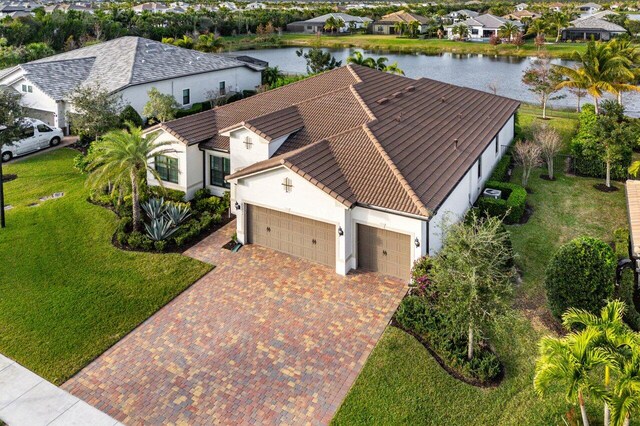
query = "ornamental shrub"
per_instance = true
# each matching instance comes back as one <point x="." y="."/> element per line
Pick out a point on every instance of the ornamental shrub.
<point x="129" y="113"/>
<point x="621" y="243"/>
<point x="173" y="195"/>
<point x="580" y="275"/>
<point x="201" y="194"/>
<point x="511" y="206"/>
<point x="624" y="292"/>
<point x="500" y="172"/>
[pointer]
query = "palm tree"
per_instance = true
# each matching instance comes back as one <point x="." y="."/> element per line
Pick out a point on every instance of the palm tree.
<point x="625" y="397"/>
<point x="461" y="30"/>
<point x="332" y="24"/>
<point x="629" y="51"/>
<point x="393" y="69"/>
<point x="400" y="27"/>
<point x="357" y="58"/>
<point x="209" y="43"/>
<point x="185" y="41"/>
<point x="270" y="75"/>
<point x="568" y="362"/>
<point x="614" y="333"/>
<point x="537" y="27"/>
<point x="558" y="21"/>
<point x="122" y="158"/>
<point x="508" y="30"/>
<point x="600" y="71"/>
<point x="414" y="28"/>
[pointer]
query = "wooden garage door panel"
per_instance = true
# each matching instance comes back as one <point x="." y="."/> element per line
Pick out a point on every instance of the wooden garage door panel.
<point x="384" y="251"/>
<point x="291" y="234"/>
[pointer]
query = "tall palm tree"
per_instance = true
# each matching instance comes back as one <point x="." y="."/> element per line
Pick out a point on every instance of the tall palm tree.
<point x="461" y="30"/>
<point x="122" y="158"/>
<point x="508" y="30"/>
<point x="332" y="24"/>
<point x="357" y="58"/>
<point x="569" y="362"/>
<point x="599" y="71"/>
<point x="614" y="333"/>
<point x="270" y="75"/>
<point x="414" y="27"/>
<point x="629" y="51"/>
<point x="537" y="27"/>
<point x="400" y="27"/>
<point x="557" y="21"/>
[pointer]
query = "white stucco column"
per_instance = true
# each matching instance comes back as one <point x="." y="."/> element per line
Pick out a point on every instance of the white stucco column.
<point x="60" y="119"/>
<point x="344" y="243"/>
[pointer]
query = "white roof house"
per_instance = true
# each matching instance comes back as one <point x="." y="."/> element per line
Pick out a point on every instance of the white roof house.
<point x="255" y="6"/>
<point x="482" y="26"/>
<point x="128" y="67"/>
<point x="461" y="15"/>
<point x="589" y="7"/>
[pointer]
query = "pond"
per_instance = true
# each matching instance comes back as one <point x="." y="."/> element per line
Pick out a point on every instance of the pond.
<point x="499" y="74"/>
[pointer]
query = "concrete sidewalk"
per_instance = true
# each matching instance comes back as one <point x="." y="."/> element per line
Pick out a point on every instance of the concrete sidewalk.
<point x="28" y="399"/>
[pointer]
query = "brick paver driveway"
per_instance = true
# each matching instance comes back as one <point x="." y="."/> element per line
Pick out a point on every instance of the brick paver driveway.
<point x="264" y="338"/>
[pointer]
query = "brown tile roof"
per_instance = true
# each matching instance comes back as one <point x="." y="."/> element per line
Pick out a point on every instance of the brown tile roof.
<point x="633" y="208"/>
<point x="370" y="138"/>
<point x="402" y="16"/>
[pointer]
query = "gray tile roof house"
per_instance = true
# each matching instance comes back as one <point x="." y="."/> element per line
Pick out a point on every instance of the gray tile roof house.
<point x="128" y="67"/>
<point x="592" y="27"/>
<point x="120" y="63"/>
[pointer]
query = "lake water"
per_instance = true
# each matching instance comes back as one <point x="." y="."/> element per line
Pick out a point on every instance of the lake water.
<point x="484" y="72"/>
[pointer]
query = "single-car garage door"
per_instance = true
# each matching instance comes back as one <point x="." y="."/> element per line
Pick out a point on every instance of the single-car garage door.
<point x="294" y="235"/>
<point x="384" y="251"/>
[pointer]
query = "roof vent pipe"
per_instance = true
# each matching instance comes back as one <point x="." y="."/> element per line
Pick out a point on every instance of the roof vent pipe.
<point x="442" y="99"/>
<point x="455" y="143"/>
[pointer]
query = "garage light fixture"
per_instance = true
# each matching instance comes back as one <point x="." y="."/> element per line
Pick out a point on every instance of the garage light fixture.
<point x="340" y="231"/>
<point x="237" y="206"/>
<point x="416" y="242"/>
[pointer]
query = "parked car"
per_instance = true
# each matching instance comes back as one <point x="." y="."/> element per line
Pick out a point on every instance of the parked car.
<point x="34" y="135"/>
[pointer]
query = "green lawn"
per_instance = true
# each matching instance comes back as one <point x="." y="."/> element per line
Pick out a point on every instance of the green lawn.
<point x="66" y="294"/>
<point x="402" y="384"/>
<point x="398" y="44"/>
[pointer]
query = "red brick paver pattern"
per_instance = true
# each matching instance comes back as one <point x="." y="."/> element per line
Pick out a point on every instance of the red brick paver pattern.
<point x="264" y="338"/>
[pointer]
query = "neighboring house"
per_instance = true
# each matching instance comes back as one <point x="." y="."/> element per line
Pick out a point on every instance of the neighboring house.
<point x="589" y="8"/>
<point x="17" y="9"/>
<point x="315" y="25"/>
<point x="519" y="15"/>
<point x="592" y="28"/>
<point x="153" y="7"/>
<point x="556" y="7"/>
<point x="228" y="5"/>
<point x="461" y="15"/>
<point x="352" y="168"/>
<point x="482" y="26"/>
<point x="387" y="24"/>
<point x="65" y="7"/>
<point x="128" y="67"/>
<point x="255" y="6"/>
<point x="521" y="6"/>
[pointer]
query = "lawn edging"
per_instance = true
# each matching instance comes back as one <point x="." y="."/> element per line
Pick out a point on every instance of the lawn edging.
<point x="494" y="383"/>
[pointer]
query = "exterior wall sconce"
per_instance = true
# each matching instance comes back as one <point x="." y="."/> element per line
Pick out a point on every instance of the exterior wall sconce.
<point x="237" y="206"/>
<point x="340" y="231"/>
<point x="416" y="242"/>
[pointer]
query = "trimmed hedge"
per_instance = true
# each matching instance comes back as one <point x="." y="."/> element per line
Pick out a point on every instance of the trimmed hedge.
<point x="511" y="207"/>
<point x="624" y="293"/>
<point x="621" y="243"/>
<point x="502" y="168"/>
<point x="580" y="275"/>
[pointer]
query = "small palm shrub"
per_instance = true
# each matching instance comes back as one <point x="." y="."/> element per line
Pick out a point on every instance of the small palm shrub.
<point x="580" y="275"/>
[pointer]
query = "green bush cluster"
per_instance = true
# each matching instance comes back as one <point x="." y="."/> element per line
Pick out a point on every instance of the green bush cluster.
<point x="500" y="172"/>
<point x="418" y="314"/>
<point x="624" y="292"/>
<point x="621" y="243"/>
<point x="586" y="149"/>
<point x="580" y="275"/>
<point x="140" y="241"/>
<point x="511" y="206"/>
<point x="129" y="114"/>
<point x="173" y="195"/>
<point x="193" y="227"/>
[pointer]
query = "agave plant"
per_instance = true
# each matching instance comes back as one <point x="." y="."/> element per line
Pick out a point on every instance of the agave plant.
<point x="177" y="213"/>
<point x="154" y="208"/>
<point x="160" y="229"/>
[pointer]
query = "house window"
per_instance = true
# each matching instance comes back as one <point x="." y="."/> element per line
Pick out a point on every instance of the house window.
<point x="186" y="96"/>
<point x="223" y="88"/>
<point x="474" y="31"/>
<point x="220" y="167"/>
<point x="287" y="184"/>
<point x="27" y="88"/>
<point x="167" y="168"/>
<point x="480" y="167"/>
<point x="497" y="142"/>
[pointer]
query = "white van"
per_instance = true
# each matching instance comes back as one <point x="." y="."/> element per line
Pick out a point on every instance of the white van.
<point x="34" y="135"/>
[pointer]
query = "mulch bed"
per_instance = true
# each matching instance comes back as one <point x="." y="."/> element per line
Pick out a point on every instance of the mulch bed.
<point x="495" y="382"/>
<point x="604" y="188"/>
<point x="9" y="178"/>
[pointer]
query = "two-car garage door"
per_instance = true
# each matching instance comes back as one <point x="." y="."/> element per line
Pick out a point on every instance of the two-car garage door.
<point x="379" y="250"/>
<point x="294" y="235"/>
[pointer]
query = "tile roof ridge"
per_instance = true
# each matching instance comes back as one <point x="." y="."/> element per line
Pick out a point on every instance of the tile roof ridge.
<point x="354" y="73"/>
<point x="396" y="172"/>
<point x="362" y="103"/>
